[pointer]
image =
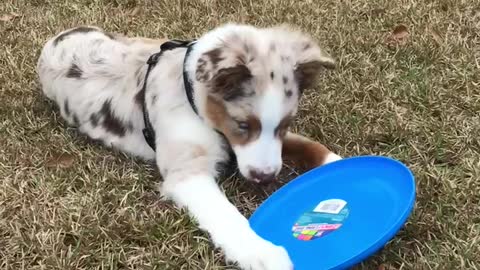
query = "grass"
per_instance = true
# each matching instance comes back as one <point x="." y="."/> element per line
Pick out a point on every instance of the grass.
<point x="66" y="203"/>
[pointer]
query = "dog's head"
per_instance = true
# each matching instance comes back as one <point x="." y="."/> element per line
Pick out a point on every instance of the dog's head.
<point x="253" y="79"/>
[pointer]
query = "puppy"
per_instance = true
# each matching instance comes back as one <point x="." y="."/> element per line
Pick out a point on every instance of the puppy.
<point x="234" y="89"/>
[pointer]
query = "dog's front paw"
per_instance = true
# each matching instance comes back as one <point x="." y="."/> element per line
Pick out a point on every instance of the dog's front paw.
<point x="331" y="157"/>
<point x="262" y="255"/>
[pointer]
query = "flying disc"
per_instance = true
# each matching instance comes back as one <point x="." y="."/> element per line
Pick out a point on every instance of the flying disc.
<point x="337" y="215"/>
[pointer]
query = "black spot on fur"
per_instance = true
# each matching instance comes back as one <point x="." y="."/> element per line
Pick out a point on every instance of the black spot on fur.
<point x="109" y="35"/>
<point x="246" y="48"/>
<point x="154" y="99"/>
<point x="99" y="61"/>
<point x="66" y="108"/>
<point x="285" y="80"/>
<point x="78" y="30"/>
<point x="139" y="97"/>
<point x="130" y="126"/>
<point x="288" y="93"/>
<point x="272" y="75"/>
<point x="74" y="72"/>
<point x="110" y="122"/>
<point x="75" y="120"/>
<point x="94" y="118"/>
<point x="229" y="166"/>
<point x="306" y="46"/>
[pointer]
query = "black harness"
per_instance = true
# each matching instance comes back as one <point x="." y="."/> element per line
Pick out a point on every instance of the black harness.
<point x="148" y="131"/>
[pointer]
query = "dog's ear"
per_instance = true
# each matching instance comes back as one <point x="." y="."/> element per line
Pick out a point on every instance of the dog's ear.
<point x="208" y="64"/>
<point x="311" y="61"/>
<point x="224" y="70"/>
<point x="228" y="82"/>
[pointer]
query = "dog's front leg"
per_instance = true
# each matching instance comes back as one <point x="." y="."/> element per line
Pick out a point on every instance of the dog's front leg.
<point x="189" y="183"/>
<point x="306" y="153"/>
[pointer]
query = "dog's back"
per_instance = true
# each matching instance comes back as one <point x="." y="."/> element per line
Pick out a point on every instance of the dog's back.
<point x="91" y="76"/>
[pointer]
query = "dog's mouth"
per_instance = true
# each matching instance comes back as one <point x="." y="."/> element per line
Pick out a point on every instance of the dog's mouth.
<point x="262" y="178"/>
<point x="261" y="182"/>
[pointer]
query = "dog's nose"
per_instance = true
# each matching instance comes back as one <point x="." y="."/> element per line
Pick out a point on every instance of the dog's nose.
<point x="262" y="176"/>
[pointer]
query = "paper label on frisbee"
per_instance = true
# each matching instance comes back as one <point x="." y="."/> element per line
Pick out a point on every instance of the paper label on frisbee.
<point x="327" y="217"/>
<point x="332" y="206"/>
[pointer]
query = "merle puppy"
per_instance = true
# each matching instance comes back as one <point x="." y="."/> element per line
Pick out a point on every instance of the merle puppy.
<point x="234" y="89"/>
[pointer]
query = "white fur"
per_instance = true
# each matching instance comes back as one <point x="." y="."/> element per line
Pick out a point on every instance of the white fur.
<point x="228" y="228"/>
<point x="265" y="153"/>
<point x="331" y="157"/>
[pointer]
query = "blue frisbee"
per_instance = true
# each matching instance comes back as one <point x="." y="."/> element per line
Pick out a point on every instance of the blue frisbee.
<point x="337" y="215"/>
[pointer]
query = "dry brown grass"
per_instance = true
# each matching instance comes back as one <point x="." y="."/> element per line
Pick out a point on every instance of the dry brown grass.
<point x="417" y="100"/>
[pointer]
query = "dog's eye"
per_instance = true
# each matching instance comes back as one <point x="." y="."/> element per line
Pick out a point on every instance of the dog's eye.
<point x="243" y="126"/>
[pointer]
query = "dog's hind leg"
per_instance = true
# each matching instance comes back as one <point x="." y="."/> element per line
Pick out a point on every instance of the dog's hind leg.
<point x="188" y="181"/>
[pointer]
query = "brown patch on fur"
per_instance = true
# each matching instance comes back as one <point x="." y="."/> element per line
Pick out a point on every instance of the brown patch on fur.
<point x="198" y="151"/>
<point x="255" y="128"/>
<point x="217" y="113"/>
<point x="303" y="152"/>
<point x="282" y="128"/>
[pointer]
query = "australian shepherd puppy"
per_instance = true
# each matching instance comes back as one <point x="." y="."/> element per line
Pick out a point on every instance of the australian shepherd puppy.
<point x="234" y="90"/>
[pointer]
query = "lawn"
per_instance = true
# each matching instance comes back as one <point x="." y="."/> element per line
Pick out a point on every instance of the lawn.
<point x="407" y="86"/>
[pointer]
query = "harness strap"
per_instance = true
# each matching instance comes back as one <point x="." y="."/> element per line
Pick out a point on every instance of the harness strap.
<point x="149" y="131"/>
<point x="188" y="83"/>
